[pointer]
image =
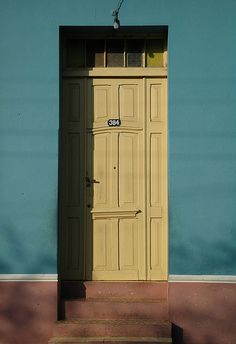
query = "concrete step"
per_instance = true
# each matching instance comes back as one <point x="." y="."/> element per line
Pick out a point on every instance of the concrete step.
<point x="92" y="289"/>
<point x="112" y="328"/>
<point x="109" y="340"/>
<point x="116" y="308"/>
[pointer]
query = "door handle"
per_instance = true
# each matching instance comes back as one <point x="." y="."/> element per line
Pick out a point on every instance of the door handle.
<point x="91" y="181"/>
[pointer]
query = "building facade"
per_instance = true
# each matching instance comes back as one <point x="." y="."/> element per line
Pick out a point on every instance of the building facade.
<point x="185" y="128"/>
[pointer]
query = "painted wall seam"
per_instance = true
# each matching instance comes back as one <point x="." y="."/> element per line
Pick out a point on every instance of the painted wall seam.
<point x="28" y="277"/>
<point x="203" y="278"/>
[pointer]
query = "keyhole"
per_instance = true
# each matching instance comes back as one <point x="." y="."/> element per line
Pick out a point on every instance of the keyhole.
<point x="114" y="167"/>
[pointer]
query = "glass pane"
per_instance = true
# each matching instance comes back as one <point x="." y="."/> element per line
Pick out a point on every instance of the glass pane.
<point x="134" y="52"/>
<point x="115" y="53"/>
<point x="154" y="51"/>
<point x="75" y="56"/>
<point x="95" y="53"/>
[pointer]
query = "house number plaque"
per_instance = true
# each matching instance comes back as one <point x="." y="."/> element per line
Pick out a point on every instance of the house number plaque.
<point x="114" y="122"/>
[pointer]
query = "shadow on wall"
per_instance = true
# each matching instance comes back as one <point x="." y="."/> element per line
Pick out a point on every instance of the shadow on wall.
<point x="205" y="311"/>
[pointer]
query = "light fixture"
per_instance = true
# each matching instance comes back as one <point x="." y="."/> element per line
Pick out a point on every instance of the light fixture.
<point x="116" y="23"/>
<point x="115" y="13"/>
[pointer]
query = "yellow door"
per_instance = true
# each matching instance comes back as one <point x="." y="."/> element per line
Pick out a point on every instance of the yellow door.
<point x="115" y="175"/>
<point x="114" y="217"/>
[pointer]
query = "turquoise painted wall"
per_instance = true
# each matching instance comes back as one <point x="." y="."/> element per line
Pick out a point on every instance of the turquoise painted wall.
<point x="202" y="127"/>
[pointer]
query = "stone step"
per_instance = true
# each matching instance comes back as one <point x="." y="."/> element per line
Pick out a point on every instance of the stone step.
<point x="109" y="340"/>
<point x="92" y="289"/>
<point x="112" y="328"/>
<point x="115" y="308"/>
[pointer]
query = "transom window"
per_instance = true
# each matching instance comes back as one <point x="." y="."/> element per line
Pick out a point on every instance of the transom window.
<point x="133" y="52"/>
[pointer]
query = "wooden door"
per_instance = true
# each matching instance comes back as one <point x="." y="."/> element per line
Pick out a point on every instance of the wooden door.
<point x="114" y="194"/>
<point x="115" y="179"/>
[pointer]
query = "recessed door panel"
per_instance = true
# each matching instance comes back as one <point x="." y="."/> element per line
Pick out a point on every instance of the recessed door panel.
<point x="101" y="244"/>
<point x="128" y="249"/>
<point x="128" y="170"/>
<point x="155" y="102"/>
<point x="73" y="168"/>
<point x="128" y="102"/>
<point x="74" y="103"/>
<point x="155" y="169"/>
<point x="155" y="239"/>
<point x="101" y="102"/>
<point x="101" y="177"/>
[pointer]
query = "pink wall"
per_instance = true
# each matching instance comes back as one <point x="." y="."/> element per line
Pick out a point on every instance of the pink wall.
<point x="205" y="311"/>
<point x="27" y="312"/>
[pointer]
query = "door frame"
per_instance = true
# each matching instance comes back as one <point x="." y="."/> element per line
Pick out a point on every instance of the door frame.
<point x="129" y="32"/>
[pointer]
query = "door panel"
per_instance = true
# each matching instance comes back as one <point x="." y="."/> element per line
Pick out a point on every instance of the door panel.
<point x="101" y="180"/>
<point x="128" y="102"/>
<point x="72" y="176"/>
<point x="155" y="169"/>
<point x="155" y="99"/>
<point x="156" y="134"/>
<point x="128" y="249"/>
<point x="128" y="170"/>
<point x="102" y="231"/>
<point x="101" y="102"/>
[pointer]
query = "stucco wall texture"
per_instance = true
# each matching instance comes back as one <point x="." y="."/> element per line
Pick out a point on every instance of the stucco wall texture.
<point x="202" y="122"/>
<point x="201" y="313"/>
<point x="27" y="312"/>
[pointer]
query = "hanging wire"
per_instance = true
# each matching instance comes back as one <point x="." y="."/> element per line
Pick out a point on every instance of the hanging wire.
<point x="116" y="12"/>
<point x="119" y="5"/>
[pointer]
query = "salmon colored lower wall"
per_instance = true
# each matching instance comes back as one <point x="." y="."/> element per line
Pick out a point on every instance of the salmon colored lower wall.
<point x="202" y="313"/>
<point x="205" y="311"/>
<point x="28" y="311"/>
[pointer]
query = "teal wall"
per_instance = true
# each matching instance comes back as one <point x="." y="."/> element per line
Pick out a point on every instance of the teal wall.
<point x="202" y="127"/>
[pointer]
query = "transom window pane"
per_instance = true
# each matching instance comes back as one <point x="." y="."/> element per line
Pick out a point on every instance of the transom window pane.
<point x="154" y="51"/>
<point x="115" y="53"/>
<point x="95" y="53"/>
<point x="75" y="57"/>
<point x="135" y="52"/>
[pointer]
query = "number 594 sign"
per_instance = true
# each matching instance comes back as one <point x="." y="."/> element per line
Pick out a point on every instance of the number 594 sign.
<point x="114" y="122"/>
